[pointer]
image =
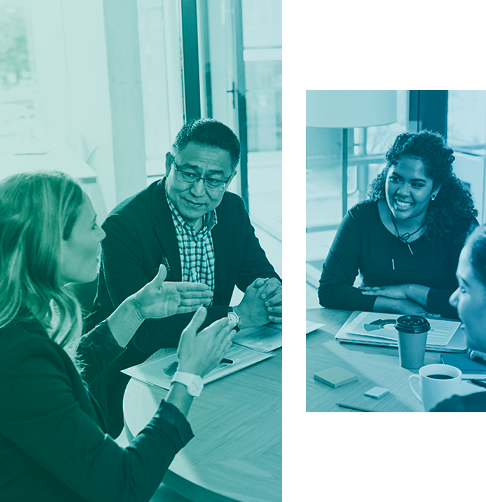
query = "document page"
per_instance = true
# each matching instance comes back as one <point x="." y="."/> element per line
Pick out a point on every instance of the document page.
<point x="159" y="372"/>
<point x="264" y="339"/>
<point x="380" y="325"/>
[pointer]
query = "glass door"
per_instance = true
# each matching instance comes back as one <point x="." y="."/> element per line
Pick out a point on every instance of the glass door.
<point x="241" y="74"/>
<point x="217" y="68"/>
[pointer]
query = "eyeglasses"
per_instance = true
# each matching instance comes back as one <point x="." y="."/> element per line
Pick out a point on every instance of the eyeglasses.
<point x="209" y="183"/>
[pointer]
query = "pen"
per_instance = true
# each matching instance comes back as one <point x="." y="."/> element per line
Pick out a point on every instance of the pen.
<point x="481" y="383"/>
<point x="352" y="407"/>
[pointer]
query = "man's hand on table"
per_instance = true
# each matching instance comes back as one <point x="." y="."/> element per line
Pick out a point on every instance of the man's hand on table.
<point x="261" y="304"/>
<point x="271" y="292"/>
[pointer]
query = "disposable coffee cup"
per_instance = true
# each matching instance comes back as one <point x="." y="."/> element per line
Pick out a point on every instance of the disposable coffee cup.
<point x="437" y="382"/>
<point x="412" y="339"/>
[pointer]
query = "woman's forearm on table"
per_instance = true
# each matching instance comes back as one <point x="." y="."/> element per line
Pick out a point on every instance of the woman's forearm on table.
<point x="397" y="306"/>
<point x="418" y="294"/>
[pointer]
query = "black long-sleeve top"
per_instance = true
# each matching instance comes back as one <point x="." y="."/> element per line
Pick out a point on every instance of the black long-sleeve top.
<point x="363" y="245"/>
<point x="53" y="446"/>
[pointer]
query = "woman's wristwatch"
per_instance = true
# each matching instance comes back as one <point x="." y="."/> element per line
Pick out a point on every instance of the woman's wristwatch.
<point x="193" y="383"/>
<point x="235" y="318"/>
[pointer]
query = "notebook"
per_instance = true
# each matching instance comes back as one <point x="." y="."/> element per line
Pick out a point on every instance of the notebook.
<point x="447" y="335"/>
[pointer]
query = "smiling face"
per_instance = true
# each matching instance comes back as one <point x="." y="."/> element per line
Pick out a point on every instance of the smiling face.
<point x="408" y="190"/>
<point x="470" y="301"/>
<point x="193" y="200"/>
<point x="80" y="252"/>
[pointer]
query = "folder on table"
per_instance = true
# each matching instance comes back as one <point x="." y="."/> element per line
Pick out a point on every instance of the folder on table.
<point x="447" y="336"/>
<point x="263" y="339"/>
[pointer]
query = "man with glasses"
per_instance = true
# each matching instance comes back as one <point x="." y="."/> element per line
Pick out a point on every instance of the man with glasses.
<point x="201" y="233"/>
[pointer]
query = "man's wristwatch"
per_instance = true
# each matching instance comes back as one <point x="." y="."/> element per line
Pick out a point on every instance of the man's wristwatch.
<point x="234" y="317"/>
<point x="192" y="382"/>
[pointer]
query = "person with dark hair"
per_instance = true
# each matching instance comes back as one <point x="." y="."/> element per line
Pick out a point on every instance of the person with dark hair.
<point x="53" y="441"/>
<point x="470" y="301"/>
<point x="201" y="233"/>
<point x="406" y="239"/>
<point x="208" y="132"/>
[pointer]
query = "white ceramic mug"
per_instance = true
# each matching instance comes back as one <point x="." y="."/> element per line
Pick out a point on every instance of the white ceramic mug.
<point x="437" y="382"/>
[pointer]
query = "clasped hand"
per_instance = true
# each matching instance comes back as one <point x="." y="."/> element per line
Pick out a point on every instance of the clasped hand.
<point x="160" y="299"/>
<point x="261" y="304"/>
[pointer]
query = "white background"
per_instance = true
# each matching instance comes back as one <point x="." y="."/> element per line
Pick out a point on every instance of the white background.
<point x="368" y="45"/>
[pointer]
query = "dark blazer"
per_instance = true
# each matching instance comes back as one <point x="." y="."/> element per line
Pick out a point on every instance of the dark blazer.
<point x="53" y="445"/>
<point x="140" y="235"/>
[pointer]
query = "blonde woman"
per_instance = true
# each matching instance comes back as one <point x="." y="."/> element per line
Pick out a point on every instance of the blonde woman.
<point x="52" y="441"/>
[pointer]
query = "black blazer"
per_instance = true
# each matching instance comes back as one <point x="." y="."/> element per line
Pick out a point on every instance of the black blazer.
<point x="53" y="445"/>
<point x="140" y="235"/>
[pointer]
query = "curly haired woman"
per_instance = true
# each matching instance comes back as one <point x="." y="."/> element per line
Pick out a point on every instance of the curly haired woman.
<point x="406" y="239"/>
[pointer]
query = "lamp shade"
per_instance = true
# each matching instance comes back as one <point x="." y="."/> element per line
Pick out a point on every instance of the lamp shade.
<point x="346" y="109"/>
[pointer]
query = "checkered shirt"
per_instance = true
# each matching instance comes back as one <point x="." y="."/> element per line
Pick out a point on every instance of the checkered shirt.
<point x="196" y="250"/>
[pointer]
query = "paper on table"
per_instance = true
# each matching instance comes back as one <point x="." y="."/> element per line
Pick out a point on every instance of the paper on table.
<point x="264" y="339"/>
<point x="159" y="372"/>
<point x="312" y="326"/>
<point x="439" y="335"/>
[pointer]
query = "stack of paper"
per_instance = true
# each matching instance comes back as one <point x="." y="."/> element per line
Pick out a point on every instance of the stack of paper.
<point x="382" y="326"/>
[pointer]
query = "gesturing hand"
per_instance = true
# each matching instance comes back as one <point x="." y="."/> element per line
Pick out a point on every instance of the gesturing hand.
<point x="200" y="352"/>
<point x="160" y="299"/>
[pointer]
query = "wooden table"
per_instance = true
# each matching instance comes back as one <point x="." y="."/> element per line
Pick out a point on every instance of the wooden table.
<point x="236" y="454"/>
<point x="374" y="366"/>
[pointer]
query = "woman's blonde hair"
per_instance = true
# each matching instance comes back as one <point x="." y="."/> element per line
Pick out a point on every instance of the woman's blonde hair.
<point x="37" y="210"/>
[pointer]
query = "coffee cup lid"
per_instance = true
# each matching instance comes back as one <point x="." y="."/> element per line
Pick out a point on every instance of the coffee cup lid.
<point x="412" y="324"/>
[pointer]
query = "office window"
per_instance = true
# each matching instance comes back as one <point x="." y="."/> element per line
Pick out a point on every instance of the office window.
<point x="159" y="23"/>
<point x="466" y="134"/>
<point x="70" y="104"/>
<point x="241" y="85"/>
<point x="21" y="122"/>
<point x="262" y="53"/>
<point x="366" y="156"/>
<point x="37" y="95"/>
<point x="466" y="121"/>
